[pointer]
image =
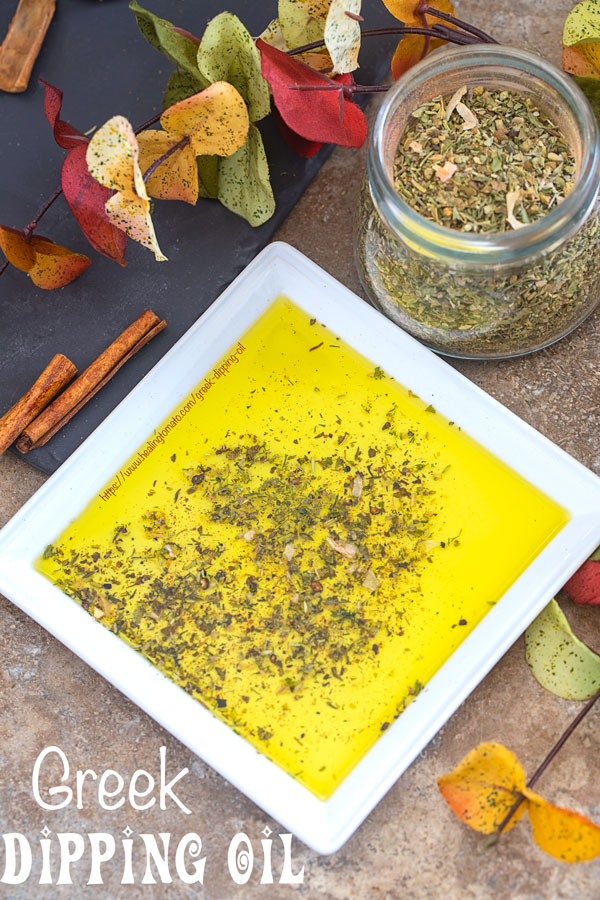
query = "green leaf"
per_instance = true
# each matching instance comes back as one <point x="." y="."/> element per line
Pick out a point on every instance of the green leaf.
<point x="560" y="661"/>
<point x="227" y="52"/>
<point x="244" y="185"/>
<point x="591" y="88"/>
<point x="180" y="49"/>
<point x="208" y="176"/>
<point x="180" y="86"/>
<point x="596" y="555"/>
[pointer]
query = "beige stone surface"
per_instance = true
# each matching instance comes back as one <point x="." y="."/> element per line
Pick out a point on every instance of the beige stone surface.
<point x="411" y="846"/>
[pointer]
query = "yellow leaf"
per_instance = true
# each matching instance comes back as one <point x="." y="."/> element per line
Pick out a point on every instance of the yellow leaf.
<point x="113" y="160"/>
<point x="318" y="59"/>
<point x="177" y="177"/>
<point x="484" y="786"/>
<point x="562" y="833"/>
<point x="215" y="120"/>
<point x="342" y="35"/>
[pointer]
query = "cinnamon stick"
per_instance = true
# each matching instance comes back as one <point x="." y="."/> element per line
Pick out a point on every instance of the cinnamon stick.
<point x="90" y="381"/>
<point x="23" y="42"/>
<point x="55" y="376"/>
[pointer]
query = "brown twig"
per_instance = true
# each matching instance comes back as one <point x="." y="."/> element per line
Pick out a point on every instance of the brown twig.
<point x="454" y="35"/>
<point x="459" y="23"/>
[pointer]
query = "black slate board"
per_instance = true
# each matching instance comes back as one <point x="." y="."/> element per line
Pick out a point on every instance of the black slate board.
<point x="94" y="53"/>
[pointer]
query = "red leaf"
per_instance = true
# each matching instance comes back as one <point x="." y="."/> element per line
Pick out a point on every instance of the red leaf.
<point x="87" y="199"/>
<point x="85" y="196"/>
<point x="298" y="144"/>
<point x="314" y="115"/>
<point x="65" y="135"/>
<point x="584" y="586"/>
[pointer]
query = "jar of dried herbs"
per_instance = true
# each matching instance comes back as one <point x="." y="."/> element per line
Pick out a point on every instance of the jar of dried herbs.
<point x="478" y="227"/>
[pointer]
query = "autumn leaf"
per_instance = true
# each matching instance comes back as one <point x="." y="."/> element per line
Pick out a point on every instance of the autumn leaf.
<point x="179" y="47"/>
<point x="342" y="35"/>
<point x="584" y="586"/>
<point x="113" y="159"/>
<point x="581" y="39"/>
<point x="561" y="662"/>
<point x="244" y="185"/>
<point x="484" y="786"/>
<point x="211" y="122"/>
<point x="333" y="119"/>
<point x="412" y="46"/>
<point x="227" y="52"/>
<point x="562" y="833"/>
<point x="49" y="265"/>
<point x="298" y="144"/>
<point x="85" y="197"/>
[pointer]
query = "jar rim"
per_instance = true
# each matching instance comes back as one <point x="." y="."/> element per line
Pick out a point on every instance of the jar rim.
<point x="438" y="241"/>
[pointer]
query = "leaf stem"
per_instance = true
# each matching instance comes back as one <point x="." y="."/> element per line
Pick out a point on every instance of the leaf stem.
<point x="161" y="159"/>
<point x="458" y="37"/>
<point x="28" y="231"/>
<point x="546" y="762"/>
<point x="459" y="23"/>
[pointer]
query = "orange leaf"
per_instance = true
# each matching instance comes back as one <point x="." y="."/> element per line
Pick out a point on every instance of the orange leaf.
<point x="405" y="10"/>
<point x="409" y="52"/>
<point x="411" y="48"/>
<point x="575" y="62"/>
<point x="215" y="120"/>
<point x="562" y="833"/>
<point x="484" y="786"/>
<point x="17" y="250"/>
<point x="177" y="177"/>
<point x="48" y="264"/>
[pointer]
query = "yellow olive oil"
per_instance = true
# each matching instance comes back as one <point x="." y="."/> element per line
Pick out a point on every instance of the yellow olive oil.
<point x="301" y="545"/>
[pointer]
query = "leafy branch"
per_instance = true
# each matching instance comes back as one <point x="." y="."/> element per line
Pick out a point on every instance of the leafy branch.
<point x="297" y="54"/>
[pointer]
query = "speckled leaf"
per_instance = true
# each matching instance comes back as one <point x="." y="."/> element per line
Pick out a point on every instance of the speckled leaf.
<point x="595" y="557"/>
<point x="179" y="86"/>
<point x="215" y="120"/>
<point x="112" y="159"/>
<point x="582" y="31"/>
<point x="302" y="21"/>
<point x="560" y="661"/>
<point x="318" y="58"/>
<point x="208" y="176"/>
<point x="244" y="185"/>
<point x="227" y="52"/>
<point x="177" y="177"/>
<point x="342" y="35"/>
<point x="484" y="786"/>
<point x="49" y="265"/>
<point x="176" y="46"/>
<point x="563" y="833"/>
<point x="576" y="63"/>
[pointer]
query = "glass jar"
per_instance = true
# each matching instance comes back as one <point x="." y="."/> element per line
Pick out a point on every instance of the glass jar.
<point x="486" y="296"/>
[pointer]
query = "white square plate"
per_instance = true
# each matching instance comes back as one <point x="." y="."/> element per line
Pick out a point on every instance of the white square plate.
<point x="323" y="825"/>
